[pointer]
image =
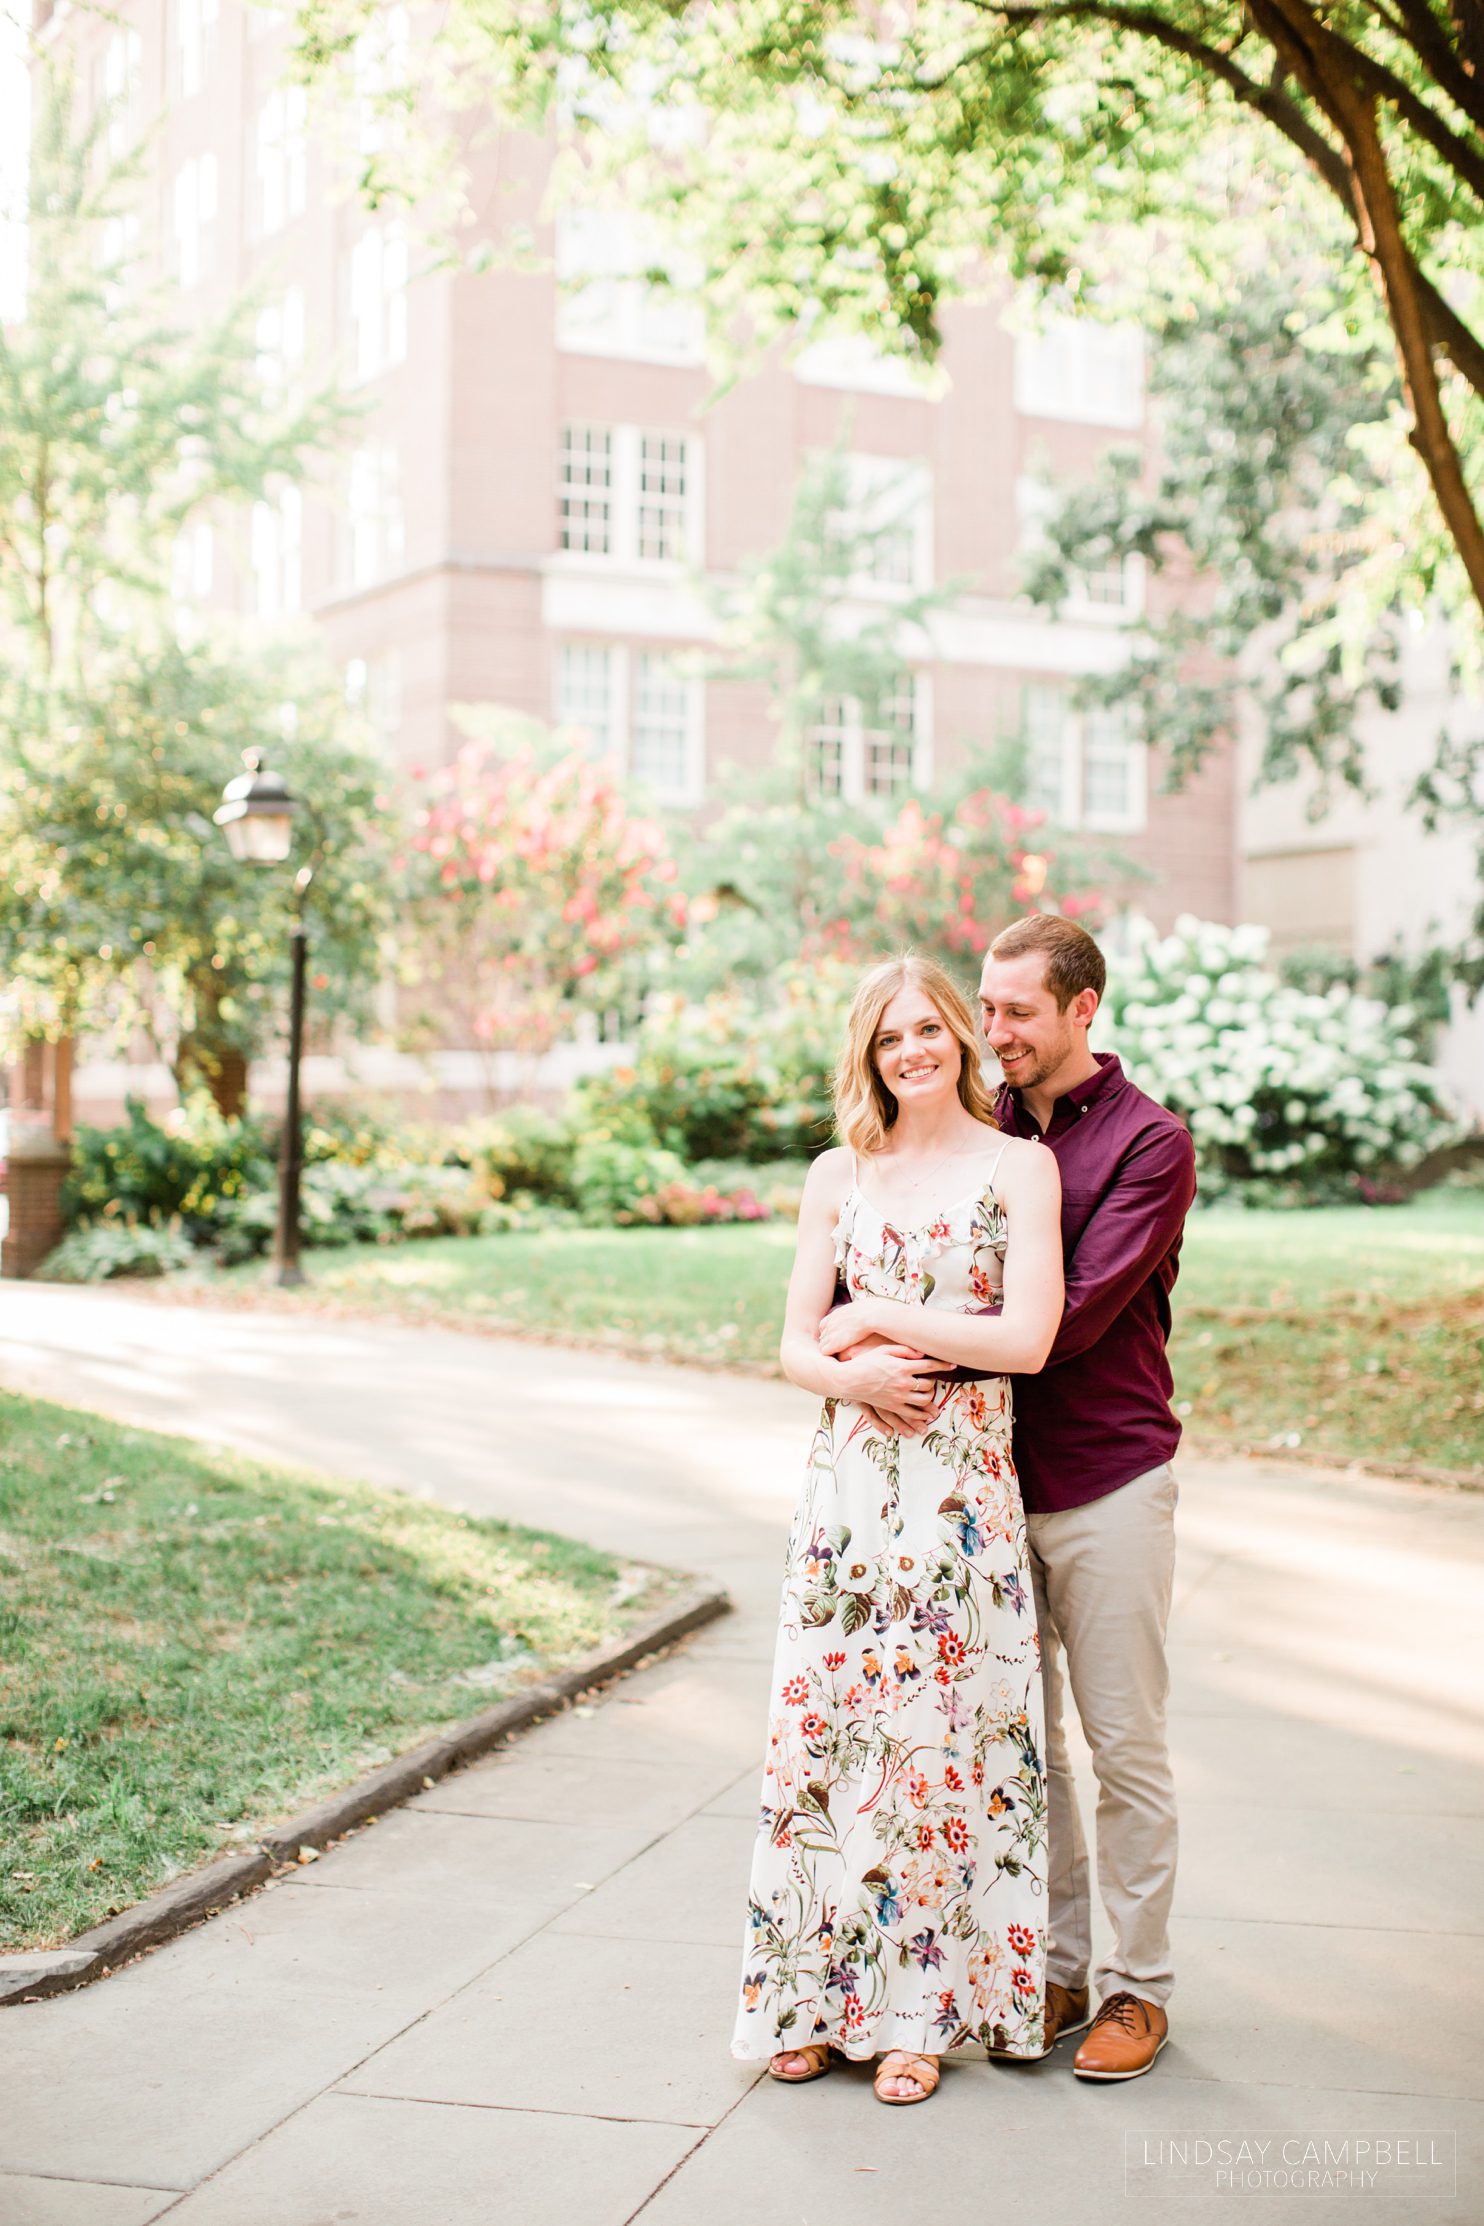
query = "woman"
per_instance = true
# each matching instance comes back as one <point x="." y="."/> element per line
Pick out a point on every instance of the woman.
<point x="897" y="1896"/>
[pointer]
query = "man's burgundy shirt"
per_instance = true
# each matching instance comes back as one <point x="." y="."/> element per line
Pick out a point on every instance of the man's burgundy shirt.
<point x="1098" y="1414"/>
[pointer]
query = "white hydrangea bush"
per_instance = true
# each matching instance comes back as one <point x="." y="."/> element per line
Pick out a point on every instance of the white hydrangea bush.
<point x="1281" y="1090"/>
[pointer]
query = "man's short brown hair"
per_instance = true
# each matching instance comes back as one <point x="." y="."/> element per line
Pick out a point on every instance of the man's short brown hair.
<point x="1073" y="960"/>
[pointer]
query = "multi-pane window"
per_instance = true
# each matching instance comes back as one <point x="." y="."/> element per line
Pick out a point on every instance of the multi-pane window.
<point x="1049" y="786"/>
<point x="192" y="563"/>
<point x="608" y="306"/>
<point x="852" y="362"/>
<point x="1083" y="767"/>
<point x="886" y="522"/>
<point x="1108" y="767"/>
<point x="193" y="217"/>
<point x="277" y="553"/>
<point x="282" y="157"/>
<point x="1114" y="585"/>
<point x="638" y="706"/>
<point x="585" y="489"/>
<point x="380" y="68"/>
<point x="857" y="757"/>
<point x="660" y="738"/>
<point x="118" y="86"/>
<point x="662" y="495"/>
<point x="629" y="493"/>
<point x="195" y="23"/>
<point x="585" y="694"/>
<point x="825" y="749"/>
<point x="280" y="338"/>
<point x="373" y="686"/>
<point x="891" y="747"/>
<point x="378" y="299"/>
<point x="374" y="515"/>
<point x="1081" y="372"/>
<point x="118" y="251"/>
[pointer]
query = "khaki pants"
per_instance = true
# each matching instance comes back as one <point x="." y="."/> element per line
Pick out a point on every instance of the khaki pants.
<point x="1103" y="1576"/>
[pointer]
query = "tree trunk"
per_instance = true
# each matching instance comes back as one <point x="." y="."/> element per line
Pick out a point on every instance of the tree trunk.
<point x="207" y="1061"/>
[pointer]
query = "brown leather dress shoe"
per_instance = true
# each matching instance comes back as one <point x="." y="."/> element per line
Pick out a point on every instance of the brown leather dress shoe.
<point x="1127" y="2034"/>
<point x="1066" y="2012"/>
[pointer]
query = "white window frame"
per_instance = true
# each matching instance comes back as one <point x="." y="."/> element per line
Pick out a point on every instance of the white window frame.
<point x="375" y="531"/>
<point x="281" y="158"/>
<point x="605" y="306"/>
<point x="623" y="670"/>
<point x="630" y="462"/>
<point x="380" y="64"/>
<point x="1046" y="704"/>
<point x="120" y="75"/>
<point x="1081" y="372"/>
<point x="585" y="491"/>
<point x="193" y="207"/>
<point x="894" y="490"/>
<point x="685" y="784"/>
<point x="277" y="550"/>
<point x="1087" y="597"/>
<point x="851" y="363"/>
<point x="378" y="300"/>
<point x="373" y="687"/>
<point x="577" y="664"/>
<point x="195" y="29"/>
<point x="118" y="250"/>
<point x="193" y="564"/>
<point x="279" y="334"/>
<point x="843" y="730"/>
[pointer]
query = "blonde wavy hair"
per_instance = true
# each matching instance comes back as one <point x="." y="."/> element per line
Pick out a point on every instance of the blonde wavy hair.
<point x="864" y="1108"/>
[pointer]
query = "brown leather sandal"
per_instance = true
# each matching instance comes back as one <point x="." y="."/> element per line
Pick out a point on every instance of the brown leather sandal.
<point x="815" y="2053"/>
<point x="900" y="2063"/>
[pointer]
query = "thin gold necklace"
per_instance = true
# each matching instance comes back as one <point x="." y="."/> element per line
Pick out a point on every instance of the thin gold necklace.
<point x="943" y="1160"/>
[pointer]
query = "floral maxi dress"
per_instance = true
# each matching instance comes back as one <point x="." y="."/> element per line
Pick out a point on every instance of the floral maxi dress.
<point x="897" y="1896"/>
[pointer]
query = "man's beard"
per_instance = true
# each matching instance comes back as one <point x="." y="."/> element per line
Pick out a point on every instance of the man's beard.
<point x="1030" y="1072"/>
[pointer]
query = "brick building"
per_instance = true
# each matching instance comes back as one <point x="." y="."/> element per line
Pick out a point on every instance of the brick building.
<point x="536" y="477"/>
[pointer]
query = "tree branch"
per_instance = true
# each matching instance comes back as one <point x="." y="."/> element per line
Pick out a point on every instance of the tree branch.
<point x="1446" y="328"/>
<point x="1466" y="161"/>
<point x="1381" y="239"/>
<point x="1428" y="41"/>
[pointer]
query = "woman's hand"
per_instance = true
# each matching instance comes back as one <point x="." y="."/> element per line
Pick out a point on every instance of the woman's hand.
<point x="895" y="1382"/>
<point x="845" y="1326"/>
<point x="885" y="1418"/>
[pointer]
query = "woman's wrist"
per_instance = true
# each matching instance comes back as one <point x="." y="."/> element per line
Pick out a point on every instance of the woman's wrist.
<point x="847" y="1375"/>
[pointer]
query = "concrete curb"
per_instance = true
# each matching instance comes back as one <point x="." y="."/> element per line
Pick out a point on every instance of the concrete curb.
<point x="32" y="1975"/>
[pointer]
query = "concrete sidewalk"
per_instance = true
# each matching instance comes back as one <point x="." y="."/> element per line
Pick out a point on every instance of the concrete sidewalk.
<point x="511" y="2001"/>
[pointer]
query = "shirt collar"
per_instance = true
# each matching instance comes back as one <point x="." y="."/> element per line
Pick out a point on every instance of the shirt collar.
<point x="1071" y="1104"/>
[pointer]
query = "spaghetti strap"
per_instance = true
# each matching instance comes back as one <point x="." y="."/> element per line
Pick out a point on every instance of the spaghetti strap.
<point x="999" y="1155"/>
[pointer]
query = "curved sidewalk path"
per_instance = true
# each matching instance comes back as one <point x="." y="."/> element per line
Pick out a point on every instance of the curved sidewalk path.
<point x="511" y="2000"/>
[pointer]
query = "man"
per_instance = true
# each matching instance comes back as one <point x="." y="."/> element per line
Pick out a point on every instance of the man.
<point x="1094" y="1436"/>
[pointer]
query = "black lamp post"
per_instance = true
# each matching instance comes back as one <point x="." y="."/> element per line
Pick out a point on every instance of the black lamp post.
<point x="257" y="817"/>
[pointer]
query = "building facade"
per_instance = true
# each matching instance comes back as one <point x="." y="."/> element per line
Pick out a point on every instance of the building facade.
<point x="537" y="478"/>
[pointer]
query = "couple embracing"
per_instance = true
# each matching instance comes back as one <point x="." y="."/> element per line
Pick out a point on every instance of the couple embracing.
<point x="981" y="1296"/>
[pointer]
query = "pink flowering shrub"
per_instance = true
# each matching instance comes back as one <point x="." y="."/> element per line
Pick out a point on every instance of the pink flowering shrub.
<point x="532" y="881"/>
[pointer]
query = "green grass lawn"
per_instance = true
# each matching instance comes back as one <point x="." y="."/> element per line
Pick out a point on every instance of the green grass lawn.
<point x="704" y="1295"/>
<point x="1355" y="1331"/>
<point x="194" y="1645"/>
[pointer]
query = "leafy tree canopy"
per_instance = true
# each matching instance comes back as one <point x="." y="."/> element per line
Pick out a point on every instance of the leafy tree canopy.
<point x="832" y="162"/>
<point x="121" y="904"/>
<point x="118" y="423"/>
